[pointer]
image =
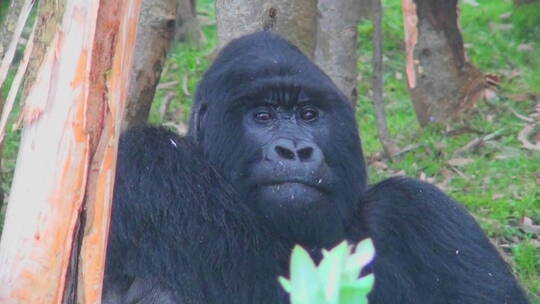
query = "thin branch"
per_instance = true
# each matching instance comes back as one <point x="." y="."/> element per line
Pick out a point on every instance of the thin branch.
<point x="389" y="146"/>
<point x="477" y="142"/>
<point x="21" y="70"/>
<point x="10" y="54"/>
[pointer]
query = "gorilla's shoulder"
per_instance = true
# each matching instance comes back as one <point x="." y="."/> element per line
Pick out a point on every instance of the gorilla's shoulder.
<point x="152" y="145"/>
<point x="405" y="188"/>
<point x="407" y="203"/>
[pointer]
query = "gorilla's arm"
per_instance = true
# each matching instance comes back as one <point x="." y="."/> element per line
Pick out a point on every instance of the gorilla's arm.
<point x="177" y="228"/>
<point x="429" y="249"/>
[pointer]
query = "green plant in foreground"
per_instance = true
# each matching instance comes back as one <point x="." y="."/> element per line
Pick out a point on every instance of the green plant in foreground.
<point x="335" y="280"/>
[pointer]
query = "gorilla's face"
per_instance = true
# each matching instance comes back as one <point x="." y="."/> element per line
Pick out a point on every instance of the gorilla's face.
<point x="289" y="168"/>
<point x="288" y="174"/>
<point x="282" y="133"/>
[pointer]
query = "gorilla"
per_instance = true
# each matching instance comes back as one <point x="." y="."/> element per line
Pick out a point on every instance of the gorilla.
<point x="272" y="159"/>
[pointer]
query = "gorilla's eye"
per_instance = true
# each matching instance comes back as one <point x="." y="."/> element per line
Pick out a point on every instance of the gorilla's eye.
<point x="308" y="114"/>
<point x="263" y="116"/>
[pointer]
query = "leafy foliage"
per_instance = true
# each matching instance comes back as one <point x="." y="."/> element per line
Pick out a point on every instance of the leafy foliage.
<point x="335" y="280"/>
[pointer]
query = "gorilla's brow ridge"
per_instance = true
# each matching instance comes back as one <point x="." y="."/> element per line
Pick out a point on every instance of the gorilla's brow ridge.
<point x="286" y="92"/>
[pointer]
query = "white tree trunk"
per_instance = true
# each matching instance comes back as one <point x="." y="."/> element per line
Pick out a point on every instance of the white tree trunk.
<point x="67" y="156"/>
<point x="337" y="43"/>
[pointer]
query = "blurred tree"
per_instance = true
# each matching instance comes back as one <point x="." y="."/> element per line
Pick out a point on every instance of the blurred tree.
<point x="337" y="42"/>
<point x="390" y="148"/>
<point x="295" y="20"/>
<point x="187" y="25"/>
<point x="154" y="34"/>
<point x="441" y="80"/>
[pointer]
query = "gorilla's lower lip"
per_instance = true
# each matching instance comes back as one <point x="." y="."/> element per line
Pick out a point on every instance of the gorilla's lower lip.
<point x="289" y="183"/>
<point x="292" y="183"/>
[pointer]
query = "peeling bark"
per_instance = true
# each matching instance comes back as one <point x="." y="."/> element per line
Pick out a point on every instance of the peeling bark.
<point x="49" y="16"/>
<point x="67" y="157"/>
<point x="337" y="43"/>
<point x="295" y="20"/>
<point x="442" y="83"/>
<point x="155" y="32"/>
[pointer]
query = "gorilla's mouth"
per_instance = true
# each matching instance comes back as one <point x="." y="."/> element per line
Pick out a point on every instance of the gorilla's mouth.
<point x="291" y="193"/>
<point x="300" y="183"/>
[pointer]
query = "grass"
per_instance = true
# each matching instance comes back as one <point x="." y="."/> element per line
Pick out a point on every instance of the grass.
<point x="499" y="181"/>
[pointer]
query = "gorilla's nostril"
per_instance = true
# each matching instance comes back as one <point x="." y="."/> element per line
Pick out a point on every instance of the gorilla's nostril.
<point x="284" y="152"/>
<point x="305" y="153"/>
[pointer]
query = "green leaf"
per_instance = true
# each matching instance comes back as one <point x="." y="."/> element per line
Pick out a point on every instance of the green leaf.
<point x="335" y="280"/>
<point x="362" y="255"/>
<point x="304" y="283"/>
<point x="286" y="284"/>
<point x="330" y="270"/>
<point x="357" y="291"/>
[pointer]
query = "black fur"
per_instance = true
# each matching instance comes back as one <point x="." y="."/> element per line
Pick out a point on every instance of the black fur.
<point x="193" y="222"/>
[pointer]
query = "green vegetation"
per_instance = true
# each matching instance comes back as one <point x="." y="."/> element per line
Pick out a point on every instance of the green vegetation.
<point x="498" y="180"/>
<point x="4" y="5"/>
<point x="335" y="280"/>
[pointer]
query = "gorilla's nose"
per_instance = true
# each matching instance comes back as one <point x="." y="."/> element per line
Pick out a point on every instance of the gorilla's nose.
<point x="288" y="150"/>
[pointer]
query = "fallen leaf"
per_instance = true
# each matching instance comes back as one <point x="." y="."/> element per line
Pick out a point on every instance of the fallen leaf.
<point x="459" y="162"/>
<point x="528" y="225"/>
<point x="523" y="137"/>
<point x="497" y="196"/>
<point x="526" y="47"/>
<point x="399" y="173"/>
<point x="522" y="97"/>
<point x="505" y="16"/>
<point x="379" y="165"/>
<point x="490" y="94"/>
<point x="424" y="177"/>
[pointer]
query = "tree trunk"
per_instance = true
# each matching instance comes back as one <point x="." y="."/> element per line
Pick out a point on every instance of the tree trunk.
<point x="155" y="32"/>
<point x="67" y="157"/>
<point x="337" y="39"/>
<point x="389" y="146"/>
<point x="295" y="20"/>
<point x="187" y="25"/>
<point x="367" y="8"/>
<point x="441" y="81"/>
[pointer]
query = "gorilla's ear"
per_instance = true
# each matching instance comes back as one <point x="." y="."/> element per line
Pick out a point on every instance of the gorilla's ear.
<point x="199" y="121"/>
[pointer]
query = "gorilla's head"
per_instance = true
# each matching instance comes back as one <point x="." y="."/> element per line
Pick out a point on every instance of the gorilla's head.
<point x="279" y="129"/>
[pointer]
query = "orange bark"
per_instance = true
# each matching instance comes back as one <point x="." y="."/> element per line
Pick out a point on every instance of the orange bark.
<point x="443" y="84"/>
<point x="92" y="257"/>
<point x="67" y="158"/>
<point x="410" y="21"/>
